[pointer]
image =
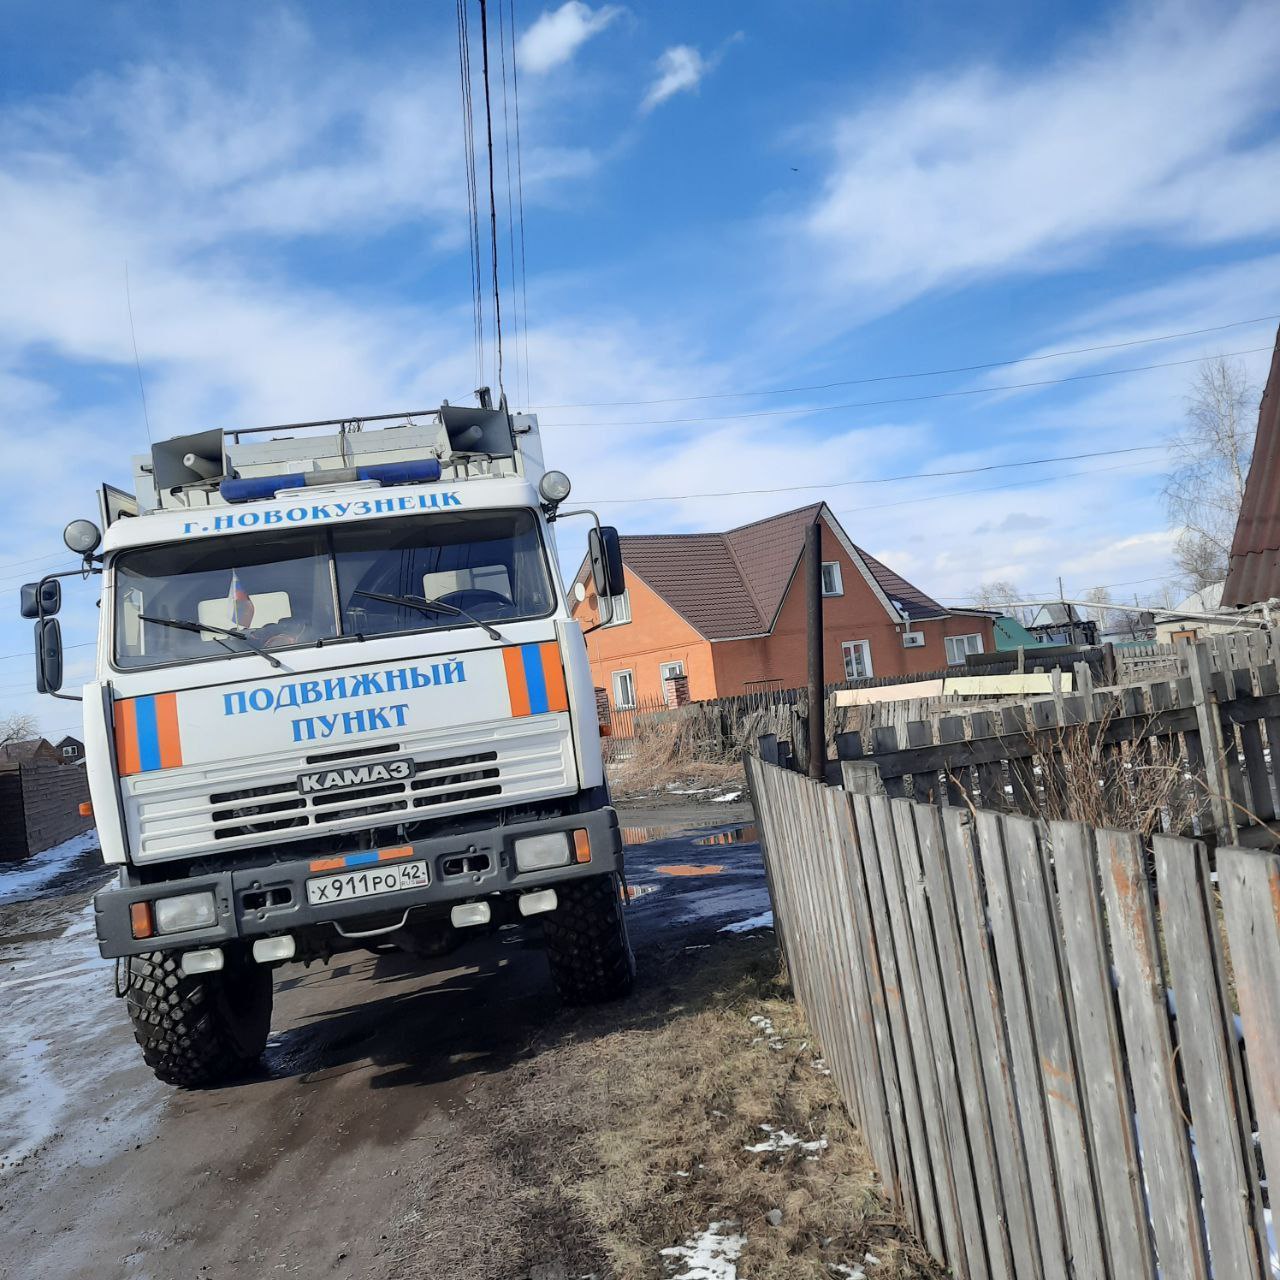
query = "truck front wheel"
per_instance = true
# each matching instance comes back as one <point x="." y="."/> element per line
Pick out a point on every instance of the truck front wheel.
<point x="587" y="941"/>
<point x="197" y="1030"/>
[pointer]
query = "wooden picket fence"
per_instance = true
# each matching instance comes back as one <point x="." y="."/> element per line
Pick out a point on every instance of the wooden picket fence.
<point x="1215" y="731"/>
<point x="1034" y="1027"/>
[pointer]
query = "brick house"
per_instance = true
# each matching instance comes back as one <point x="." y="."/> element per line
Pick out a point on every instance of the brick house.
<point x="727" y="611"/>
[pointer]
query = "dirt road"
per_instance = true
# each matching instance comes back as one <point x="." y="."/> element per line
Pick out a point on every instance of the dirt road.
<point x="374" y="1089"/>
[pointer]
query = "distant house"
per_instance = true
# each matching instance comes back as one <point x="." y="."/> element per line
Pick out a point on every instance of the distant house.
<point x="727" y="612"/>
<point x="70" y="749"/>
<point x="1188" y="620"/>
<point x="1062" y="624"/>
<point x="29" y="751"/>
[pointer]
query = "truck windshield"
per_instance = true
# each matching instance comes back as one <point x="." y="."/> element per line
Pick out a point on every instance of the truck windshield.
<point x="298" y="588"/>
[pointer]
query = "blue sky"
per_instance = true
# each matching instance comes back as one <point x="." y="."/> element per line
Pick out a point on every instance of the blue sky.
<point x="719" y="198"/>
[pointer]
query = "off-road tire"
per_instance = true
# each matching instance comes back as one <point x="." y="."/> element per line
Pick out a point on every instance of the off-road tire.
<point x="587" y="941"/>
<point x="201" y="1029"/>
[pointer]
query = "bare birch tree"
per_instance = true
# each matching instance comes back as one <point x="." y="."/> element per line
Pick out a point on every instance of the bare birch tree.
<point x="1210" y="455"/>
<point x="998" y="595"/>
<point x="17" y="728"/>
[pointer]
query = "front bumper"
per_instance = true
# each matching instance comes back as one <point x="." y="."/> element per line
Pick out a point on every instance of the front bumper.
<point x="256" y="902"/>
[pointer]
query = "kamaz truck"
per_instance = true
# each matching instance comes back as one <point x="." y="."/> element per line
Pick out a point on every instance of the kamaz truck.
<point x="339" y="703"/>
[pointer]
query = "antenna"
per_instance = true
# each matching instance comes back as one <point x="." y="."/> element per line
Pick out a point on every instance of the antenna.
<point x="128" y="298"/>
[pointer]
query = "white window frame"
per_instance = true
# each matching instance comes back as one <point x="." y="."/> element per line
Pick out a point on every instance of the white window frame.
<point x="665" y="671"/>
<point x="863" y="648"/>
<point x="68" y="752"/>
<point x="837" y="587"/>
<point x="976" y="647"/>
<point x="621" y="610"/>
<point x="618" y="704"/>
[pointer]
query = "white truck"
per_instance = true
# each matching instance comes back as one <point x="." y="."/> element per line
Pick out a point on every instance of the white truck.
<point x="339" y="702"/>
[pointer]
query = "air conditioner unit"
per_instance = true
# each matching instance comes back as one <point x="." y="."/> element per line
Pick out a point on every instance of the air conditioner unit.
<point x="913" y="639"/>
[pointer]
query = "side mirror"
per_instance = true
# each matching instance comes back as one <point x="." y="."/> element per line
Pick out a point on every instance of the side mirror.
<point x="605" y="553"/>
<point x="41" y="599"/>
<point x="48" y="655"/>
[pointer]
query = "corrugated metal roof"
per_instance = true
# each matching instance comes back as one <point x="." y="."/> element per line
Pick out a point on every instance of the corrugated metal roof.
<point x="733" y="584"/>
<point x="1254" y="570"/>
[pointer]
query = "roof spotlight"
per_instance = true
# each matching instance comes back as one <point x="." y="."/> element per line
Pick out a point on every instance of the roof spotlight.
<point x="554" y="487"/>
<point x="82" y="537"/>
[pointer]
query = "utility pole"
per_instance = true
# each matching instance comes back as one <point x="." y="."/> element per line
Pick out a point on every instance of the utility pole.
<point x="817" y="682"/>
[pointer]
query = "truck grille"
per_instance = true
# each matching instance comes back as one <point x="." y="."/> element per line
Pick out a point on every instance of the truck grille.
<point x="182" y="812"/>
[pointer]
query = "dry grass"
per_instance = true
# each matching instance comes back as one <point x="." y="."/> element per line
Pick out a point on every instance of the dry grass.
<point x="670" y="749"/>
<point x="1141" y="786"/>
<point x="598" y="1130"/>
<point x="679" y="1106"/>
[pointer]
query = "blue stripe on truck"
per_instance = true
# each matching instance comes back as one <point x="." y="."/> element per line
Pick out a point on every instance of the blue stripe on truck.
<point x="531" y="655"/>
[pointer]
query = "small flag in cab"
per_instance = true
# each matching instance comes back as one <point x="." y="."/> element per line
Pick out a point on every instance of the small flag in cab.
<point x="241" y="604"/>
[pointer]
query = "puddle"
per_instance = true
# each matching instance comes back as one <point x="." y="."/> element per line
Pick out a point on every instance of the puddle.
<point x="647" y="835"/>
<point x="690" y="869"/>
<point x="735" y="835"/>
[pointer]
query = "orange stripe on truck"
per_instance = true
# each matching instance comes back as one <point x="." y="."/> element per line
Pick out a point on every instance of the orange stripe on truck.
<point x="167" y="730"/>
<point x="553" y="674"/>
<point x="517" y="685"/>
<point x="127" y="761"/>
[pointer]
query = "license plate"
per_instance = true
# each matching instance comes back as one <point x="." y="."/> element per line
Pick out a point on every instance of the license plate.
<point x="367" y="883"/>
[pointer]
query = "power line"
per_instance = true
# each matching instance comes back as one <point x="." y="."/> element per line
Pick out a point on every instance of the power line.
<point x="908" y="475"/>
<point x="128" y="298"/>
<point x="30" y="653"/>
<point x="473" y="204"/>
<point x="493" y="199"/>
<point x="923" y="373"/>
<point x="524" y="271"/>
<point x="511" y="217"/>
<point x="993" y="488"/>
<point x="933" y="395"/>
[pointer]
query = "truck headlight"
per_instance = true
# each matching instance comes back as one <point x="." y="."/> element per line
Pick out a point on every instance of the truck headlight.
<point x="185" y="911"/>
<point x="537" y="853"/>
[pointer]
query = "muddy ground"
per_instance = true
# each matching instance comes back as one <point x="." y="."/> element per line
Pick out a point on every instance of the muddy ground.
<point x="373" y="1100"/>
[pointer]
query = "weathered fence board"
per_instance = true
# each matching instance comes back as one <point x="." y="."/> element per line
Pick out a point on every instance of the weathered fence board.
<point x="1250" y="886"/>
<point x="1207" y="1049"/>
<point x="1087" y="976"/>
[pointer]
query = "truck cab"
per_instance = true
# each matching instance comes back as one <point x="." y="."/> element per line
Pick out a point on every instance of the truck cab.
<point x="339" y="702"/>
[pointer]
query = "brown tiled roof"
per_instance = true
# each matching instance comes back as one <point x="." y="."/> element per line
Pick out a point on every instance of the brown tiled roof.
<point x="902" y="595"/>
<point x="733" y="584"/>
<point x="1254" y="570"/>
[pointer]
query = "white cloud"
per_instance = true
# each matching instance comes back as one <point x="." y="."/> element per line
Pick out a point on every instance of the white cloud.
<point x="1151" y="131"/>
<point x="679" y="70"/>
<point x="559" y="33"/>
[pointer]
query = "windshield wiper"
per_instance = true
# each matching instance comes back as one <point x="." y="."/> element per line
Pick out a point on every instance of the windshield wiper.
<point x="432" y="606"/>
<point x="181" y="624"/>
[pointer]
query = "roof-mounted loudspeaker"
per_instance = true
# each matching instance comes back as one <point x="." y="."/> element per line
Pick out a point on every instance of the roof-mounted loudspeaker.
<point x="187" y="460"/>
<point x="475" y="430"/>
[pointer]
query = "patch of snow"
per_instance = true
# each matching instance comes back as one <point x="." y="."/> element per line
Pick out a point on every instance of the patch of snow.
<point x="689" y="791"/>
<point x="871" y="1259"/>
<point x="724" y="799"/>
<point x="26" y="880"/>
<point x="710" y="1255"/>
<point x="850" y="1273"/>
<point x="60" y="1014"/>
<point x="820" y="1066"/>
<point x="761" y="1023"/>
<point x="780" y="1140"/>
<point x="763" y="921"/>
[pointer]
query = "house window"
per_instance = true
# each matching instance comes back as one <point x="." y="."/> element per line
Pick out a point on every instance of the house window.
<point x="68" y="751"/>
<point x="666" y="670"/>
<point x="831" y="584"/>
<point x="959" y="646"/>
<point x="624" y="691"/>
<point x="1189" y="634"/>
<point x="621" y="609"/>
<point x="857" y="659"/>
